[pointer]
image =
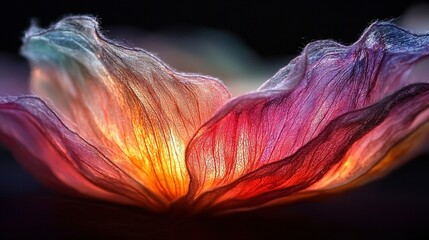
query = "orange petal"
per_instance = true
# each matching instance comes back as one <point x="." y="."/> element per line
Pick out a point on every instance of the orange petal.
<point x="126" y="102"/>
<point x="61" y="159"/>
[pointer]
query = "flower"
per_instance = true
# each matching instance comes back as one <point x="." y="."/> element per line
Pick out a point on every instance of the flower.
<point x="116" y="123"/>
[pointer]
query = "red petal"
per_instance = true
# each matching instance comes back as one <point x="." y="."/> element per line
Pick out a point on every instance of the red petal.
<point x="306" y="119"/>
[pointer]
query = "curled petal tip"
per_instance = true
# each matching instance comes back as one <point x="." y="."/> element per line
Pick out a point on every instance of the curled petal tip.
<point x="252" y="151"/>
<point x="125" y="102"/>
<point x="393" y="38"/>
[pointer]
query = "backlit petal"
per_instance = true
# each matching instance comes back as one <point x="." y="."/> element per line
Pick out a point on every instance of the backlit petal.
<point x="125" y="102"/>
<point x="334" y="112"/>
<point x="63" y="160"/>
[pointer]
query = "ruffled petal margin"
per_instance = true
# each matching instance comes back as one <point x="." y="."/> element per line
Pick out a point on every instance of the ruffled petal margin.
<point x="334" y="115"/>
<point x="123" y="101"/>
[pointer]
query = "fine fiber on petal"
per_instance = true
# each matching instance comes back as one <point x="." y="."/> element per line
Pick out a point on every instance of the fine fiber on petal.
<point x="327" y="118"/>
<point x="125" y="102"/>
<point x="63" y="160"/>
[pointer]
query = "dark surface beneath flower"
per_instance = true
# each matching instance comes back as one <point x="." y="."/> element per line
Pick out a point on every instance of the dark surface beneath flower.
<point x="395" y="206"/>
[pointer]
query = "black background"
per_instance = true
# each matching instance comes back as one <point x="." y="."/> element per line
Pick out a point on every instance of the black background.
<point x="395" y="206"/>
<point x="270" y="28"/>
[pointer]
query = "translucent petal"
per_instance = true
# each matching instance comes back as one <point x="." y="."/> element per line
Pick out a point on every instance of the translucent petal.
<point x="125" y="102"/>
<point x="63" y="160"/>
<point x="320" y="112"/>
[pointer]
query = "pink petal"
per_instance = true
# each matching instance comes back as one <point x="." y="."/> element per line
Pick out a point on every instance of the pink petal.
<point x="61" y="159"/>
<point x="319" y="113"/>
<point x="125" y="102"/>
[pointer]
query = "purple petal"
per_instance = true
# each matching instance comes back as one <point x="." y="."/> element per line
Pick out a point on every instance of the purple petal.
<point x="311" y="117"/>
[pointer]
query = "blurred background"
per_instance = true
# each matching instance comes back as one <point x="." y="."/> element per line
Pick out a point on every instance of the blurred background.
<point x="243" y="43"/>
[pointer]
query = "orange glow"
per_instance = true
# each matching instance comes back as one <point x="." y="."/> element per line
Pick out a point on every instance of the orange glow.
<point x="140" y="114"/>
<point x="117" y="123"/>
<point x="359" y="166"/>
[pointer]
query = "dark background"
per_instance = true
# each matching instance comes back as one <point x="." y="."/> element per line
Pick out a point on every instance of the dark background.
<point x="396" y="206"/>
<point x="270" y="28"/>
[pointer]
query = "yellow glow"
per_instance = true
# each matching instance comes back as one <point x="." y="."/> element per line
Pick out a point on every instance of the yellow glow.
<point x="158" y="164"/>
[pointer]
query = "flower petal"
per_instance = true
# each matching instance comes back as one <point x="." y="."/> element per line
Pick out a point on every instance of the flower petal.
<point x="61" y="159"/>
<point x="125" y="102"/>
<point x="311" y="117"/>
